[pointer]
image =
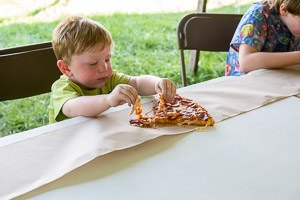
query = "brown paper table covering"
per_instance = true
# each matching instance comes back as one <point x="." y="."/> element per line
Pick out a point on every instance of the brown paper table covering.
<point x="33" y="162"/>
<point x="244" y="93"/>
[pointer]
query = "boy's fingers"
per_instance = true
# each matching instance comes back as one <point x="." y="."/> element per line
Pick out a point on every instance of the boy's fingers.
<point x="132" y="94"/>
<point x="129" y="94"/>
<point x="170" y="91"/>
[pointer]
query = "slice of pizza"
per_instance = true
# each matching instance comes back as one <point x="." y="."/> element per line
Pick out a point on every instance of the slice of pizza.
<point x="180" y="111"/>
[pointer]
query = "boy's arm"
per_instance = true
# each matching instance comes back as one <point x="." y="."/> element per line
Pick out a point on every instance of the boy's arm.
<point x="91" y="106"/>
<point x="149" y="85"/>
<point x="250" y="59"/>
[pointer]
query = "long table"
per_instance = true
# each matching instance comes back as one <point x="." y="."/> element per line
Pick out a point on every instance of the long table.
<point x="254" y="155"/>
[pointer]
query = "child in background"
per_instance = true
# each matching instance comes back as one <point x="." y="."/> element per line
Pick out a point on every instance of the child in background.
<point x="266" y="37"/>
<point x="89" y="85"/>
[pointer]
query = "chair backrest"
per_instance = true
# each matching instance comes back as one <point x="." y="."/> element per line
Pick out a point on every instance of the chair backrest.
<point x="27" y="70"/>
<point x="205" y="32"/>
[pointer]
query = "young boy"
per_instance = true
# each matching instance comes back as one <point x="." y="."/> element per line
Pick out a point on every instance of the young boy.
<point x="89" y="85"/>
<point x="266" y="37"/>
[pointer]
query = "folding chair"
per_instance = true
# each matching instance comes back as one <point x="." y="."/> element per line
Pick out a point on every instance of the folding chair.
<point x="27" y="70"/>
<point x="205" y="32"/>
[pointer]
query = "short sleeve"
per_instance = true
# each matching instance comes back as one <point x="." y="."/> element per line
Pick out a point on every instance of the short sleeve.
<point x="252" y="29"/>
<point x="62" y="91"/>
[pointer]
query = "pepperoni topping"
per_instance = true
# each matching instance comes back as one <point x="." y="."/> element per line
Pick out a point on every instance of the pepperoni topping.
<point x="145" y="122"/>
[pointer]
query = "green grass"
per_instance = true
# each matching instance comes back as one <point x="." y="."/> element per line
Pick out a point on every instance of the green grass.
<point x="143" y="44"/>
<point x="20" y="115"/>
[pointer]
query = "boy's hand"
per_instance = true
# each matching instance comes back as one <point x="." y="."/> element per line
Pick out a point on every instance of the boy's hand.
<point x="167" y="88"/>
<point x="122" y="94"/>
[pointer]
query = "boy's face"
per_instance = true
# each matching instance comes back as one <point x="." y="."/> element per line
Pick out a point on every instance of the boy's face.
<point x="293" y="24"/>
<point x="290" y="20"/>
<point x="91" y="69"/>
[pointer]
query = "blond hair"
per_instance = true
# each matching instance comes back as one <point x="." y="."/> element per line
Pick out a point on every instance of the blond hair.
<point x="292" y="6"/>
<point x="75" y="35"/>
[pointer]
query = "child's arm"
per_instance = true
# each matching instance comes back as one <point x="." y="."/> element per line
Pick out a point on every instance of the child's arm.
<point x="149" y="85"/>
<point x="250" y="59"/>
<point x="91" y="106"/>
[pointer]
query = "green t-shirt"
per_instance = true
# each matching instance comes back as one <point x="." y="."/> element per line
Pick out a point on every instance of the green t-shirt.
<point x="64" y="89"/>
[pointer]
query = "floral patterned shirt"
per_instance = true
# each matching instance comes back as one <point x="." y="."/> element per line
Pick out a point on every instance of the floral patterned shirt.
<point x="261" y="28"/>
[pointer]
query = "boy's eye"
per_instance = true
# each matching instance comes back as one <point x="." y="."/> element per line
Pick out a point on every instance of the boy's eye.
<point x="94" y="63"/>
<point x="107" y="60"/>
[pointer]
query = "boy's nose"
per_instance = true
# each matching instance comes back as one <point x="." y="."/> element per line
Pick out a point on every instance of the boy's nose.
<point x="103" y="67"/>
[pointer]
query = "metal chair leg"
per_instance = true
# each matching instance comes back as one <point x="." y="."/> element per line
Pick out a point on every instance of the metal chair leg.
<point x="183" y="73"/>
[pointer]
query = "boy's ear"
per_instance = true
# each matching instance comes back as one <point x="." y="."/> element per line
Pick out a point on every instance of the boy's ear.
<point x="283" y="10"/>
<point x="64" y="68"/>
